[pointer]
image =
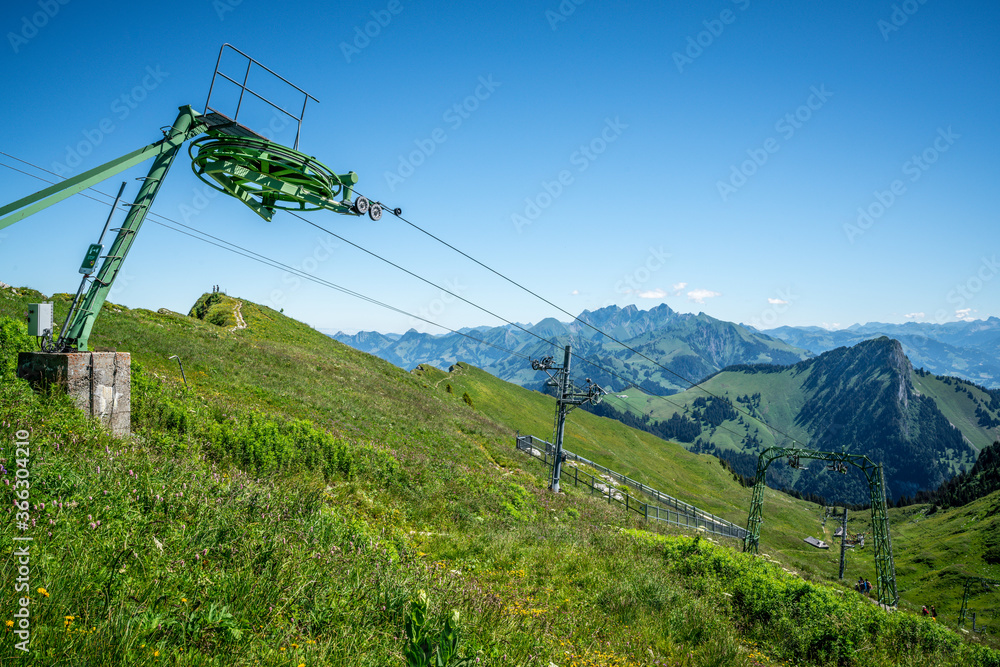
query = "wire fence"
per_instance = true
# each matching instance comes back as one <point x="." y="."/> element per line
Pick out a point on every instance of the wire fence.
<point x="666" y="508"/>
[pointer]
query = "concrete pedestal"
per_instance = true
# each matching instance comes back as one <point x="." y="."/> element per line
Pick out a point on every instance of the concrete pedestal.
<point x="100" y="383"/>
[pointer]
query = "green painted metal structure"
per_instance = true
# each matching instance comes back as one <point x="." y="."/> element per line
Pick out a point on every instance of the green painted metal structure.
<point x="234" y="159"/>
<point x="970" y="582"/>
<point x="264" y="175"/>
<point x="267" y="177"/>
<point x="885" y="569"/>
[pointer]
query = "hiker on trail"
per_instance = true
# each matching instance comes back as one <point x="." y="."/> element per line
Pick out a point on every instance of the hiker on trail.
<point x="924" y="610"/>
<point x="933" y="612"/>
<point x="868" y="587"/>
<point x="861" y="585"/>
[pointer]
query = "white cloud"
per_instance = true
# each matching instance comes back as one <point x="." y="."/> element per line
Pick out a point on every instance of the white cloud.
<point x="775" y="302"/>
<point x="678" y="288"/>
<point x="831" y="327"/>
<point x="652" y="294"/>
<point x="965" y="314"/>
<point x="911" y="316"/>
<point x="575" y="292"/>
<point x="699" y="295"/>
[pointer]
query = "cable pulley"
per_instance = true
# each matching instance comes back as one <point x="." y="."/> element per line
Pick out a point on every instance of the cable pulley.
<point x="268" y="177"/>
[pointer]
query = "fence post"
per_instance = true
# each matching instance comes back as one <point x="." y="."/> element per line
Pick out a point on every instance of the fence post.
<point x="626" y="504"/>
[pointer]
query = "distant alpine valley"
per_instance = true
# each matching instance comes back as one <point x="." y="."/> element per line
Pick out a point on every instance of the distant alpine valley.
<point x="921" y="398"/>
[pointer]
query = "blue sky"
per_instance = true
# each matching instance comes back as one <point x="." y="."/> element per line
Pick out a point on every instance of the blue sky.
<point x="769" y="163"/>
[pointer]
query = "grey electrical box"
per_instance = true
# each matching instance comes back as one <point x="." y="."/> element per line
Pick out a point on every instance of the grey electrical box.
<point x="39" y="318"/>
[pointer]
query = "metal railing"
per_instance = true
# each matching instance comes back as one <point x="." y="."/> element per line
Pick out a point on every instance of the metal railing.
<point x="666" y="508"/>
<point x="244" y="88"/>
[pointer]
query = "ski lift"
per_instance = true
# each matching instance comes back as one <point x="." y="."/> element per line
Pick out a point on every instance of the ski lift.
<point x="793" y="461"/>
<point x="838" y="467"/>
<point x="541" y="364"/>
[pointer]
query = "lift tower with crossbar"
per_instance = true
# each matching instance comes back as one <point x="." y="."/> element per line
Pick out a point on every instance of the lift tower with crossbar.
<point x="568" y="397"/>
<point x="885" y="569"/>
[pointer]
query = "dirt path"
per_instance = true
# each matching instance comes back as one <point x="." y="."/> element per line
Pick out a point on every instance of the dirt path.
<point x="238" y="312"/>
<point x="458" y="371"/>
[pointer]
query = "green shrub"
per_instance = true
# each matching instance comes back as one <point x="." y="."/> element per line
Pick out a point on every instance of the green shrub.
<point x="14" y="338"/>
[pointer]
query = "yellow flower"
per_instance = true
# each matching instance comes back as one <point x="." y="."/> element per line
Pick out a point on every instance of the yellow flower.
<point x="44" y="592"/>
<point x="184" y="599"/>
<point x="10" y="624"/>
<point x="156" y="654"/>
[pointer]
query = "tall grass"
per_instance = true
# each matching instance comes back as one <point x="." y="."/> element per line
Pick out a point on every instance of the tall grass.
<point x="226" y="533"/>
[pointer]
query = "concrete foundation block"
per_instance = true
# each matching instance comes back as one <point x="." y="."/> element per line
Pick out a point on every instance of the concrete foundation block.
<point x="100" y="383"/>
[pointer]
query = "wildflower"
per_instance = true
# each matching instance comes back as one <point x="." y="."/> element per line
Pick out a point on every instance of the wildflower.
<point x="10" y="624"/>
<point x="156" y="654"/>
<point x="42" y="591"/>
<point x="184" y="599"/>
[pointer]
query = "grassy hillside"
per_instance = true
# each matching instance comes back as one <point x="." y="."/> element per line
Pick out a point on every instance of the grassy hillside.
<point x="958" y="400"/>
<point x="935" y="551"/>
<point x="864" y="400"/>
<point x="306" y="504"/>
<point x="694" y="478"/>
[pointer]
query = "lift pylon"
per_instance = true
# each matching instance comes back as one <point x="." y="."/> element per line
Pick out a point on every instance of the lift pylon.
<point x="885" y="569"/>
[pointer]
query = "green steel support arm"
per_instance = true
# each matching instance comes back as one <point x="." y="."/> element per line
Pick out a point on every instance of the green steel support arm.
<point x="185" y="127"/>
<point x="53" y="194"/>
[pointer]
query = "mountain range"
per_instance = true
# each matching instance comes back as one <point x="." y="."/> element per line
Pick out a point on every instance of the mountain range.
<point x="690" y="346"/>
<point x="969" y="350"/>
<point x="863" y="396"/>
<point x="866" y="399"/>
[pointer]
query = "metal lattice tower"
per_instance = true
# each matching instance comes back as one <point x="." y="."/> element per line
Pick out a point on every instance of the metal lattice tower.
<point x="967" y="593"/>
<point x="885" y="569"/>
